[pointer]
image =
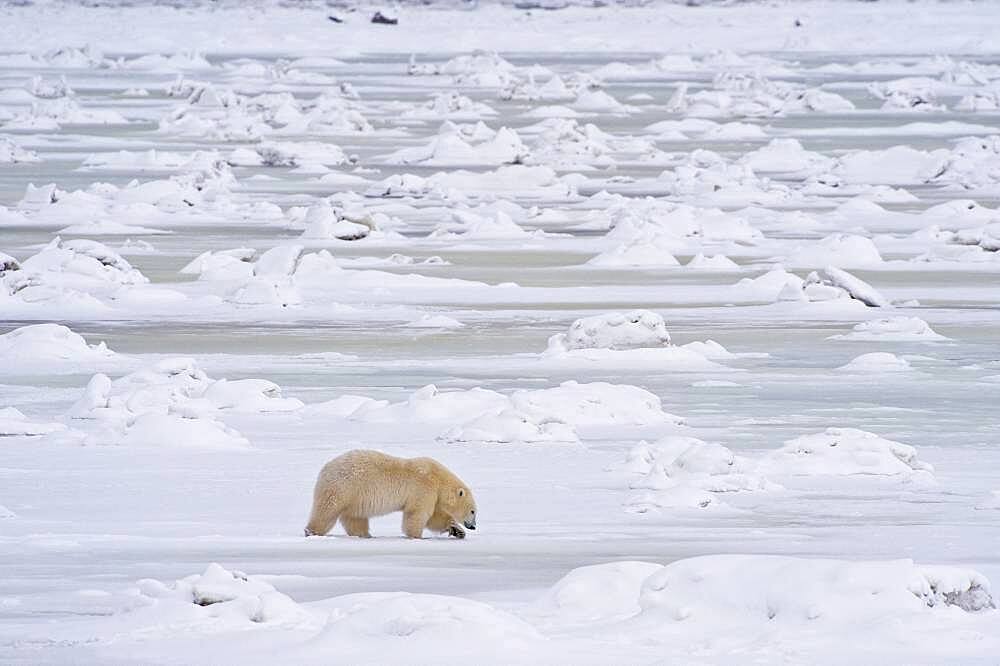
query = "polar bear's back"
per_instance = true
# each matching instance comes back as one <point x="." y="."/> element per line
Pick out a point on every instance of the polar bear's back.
<point x="368" y="483"/>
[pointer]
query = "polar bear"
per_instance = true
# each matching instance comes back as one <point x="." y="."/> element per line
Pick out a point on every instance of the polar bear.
<point x="361" y="484"/>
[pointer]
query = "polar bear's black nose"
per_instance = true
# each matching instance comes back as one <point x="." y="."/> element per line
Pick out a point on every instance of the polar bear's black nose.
<point x="470" y="523"/>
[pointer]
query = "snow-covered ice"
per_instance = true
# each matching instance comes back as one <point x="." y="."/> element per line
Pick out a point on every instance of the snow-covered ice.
<point x="699" y="298"/>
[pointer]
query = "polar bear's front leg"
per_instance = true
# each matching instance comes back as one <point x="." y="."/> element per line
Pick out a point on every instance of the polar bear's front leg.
<point x="456" y="531"/>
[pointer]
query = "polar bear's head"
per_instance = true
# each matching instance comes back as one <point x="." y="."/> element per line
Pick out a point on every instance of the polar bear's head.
<point x="461" y="506"/>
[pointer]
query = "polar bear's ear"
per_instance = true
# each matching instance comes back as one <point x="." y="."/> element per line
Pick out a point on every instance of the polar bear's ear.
<point x="461" y="492"/>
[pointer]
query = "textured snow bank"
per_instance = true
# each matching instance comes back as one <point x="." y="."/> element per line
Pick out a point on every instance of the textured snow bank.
<point x="742" y="591"/>
<point x="842" y="452"/>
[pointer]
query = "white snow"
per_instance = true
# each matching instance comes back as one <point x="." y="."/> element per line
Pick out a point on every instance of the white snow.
<point x="511" y="240"/>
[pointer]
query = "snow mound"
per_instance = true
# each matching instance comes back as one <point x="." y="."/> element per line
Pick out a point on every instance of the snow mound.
<point x="150" y="160"/>
<point x="222" y="264"/>
<point x="173" y="403"/>
<point x="747" y="592"/>
<point x="435" y="322"/>
<point x="679" y="224"/>
<point x="876" y="362"/>
<point x="528" y="181"/>
<point x="14" y="423"/>
<point x="428" y="404"/>
<point x="646" y="250"/>
<point x="854" y="287"/>
<point x="567" y="144"/>
<point x="713" y="262"/>
<point x="175" y="431"/>
<point x="844" y="452"/>
<point x="453" y="147"/>
<point x="526" y="416"/>
<point x="679" y="472"/>
<point x="217" y="600"/>
<point x="78" y="265"/>
<point x="450" y="105"/>
<point x="323" y="221"/>
<point x="616" y="330"/>
<point x="751" y="95"/>
<point x="12" y="153"/>
<point x="480" y="69"/>
<point x="510" y="426"/>
<point x="785" y="156"/>
<point x="892" y="329"/>
<point x="597" y="593"/>
<point x="991" y="501"/>
<point x="769" y="286"/>
<point x="46" y="344"/>
<point x="899" y="165"/>
<point x="973" y="163"/>
<point x="596" y="403"/>
<point x="844" y="250"/>
<point x="421" y="622"/>
<point x="302" y="154"/>
<point x="52" y="114"/>
<point x="178" y="385"/>
<point x="6" y="513"/>
<point x="470" y="225"/>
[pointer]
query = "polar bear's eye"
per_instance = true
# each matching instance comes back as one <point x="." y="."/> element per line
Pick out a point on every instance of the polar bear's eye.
<point x="461" y="493"/>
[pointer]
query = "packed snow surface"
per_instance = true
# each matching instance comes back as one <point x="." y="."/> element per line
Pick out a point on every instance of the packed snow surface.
<point x="699" y="299"/>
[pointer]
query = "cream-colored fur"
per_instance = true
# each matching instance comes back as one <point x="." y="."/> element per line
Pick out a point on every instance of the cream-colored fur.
<point x="360" y="484"/>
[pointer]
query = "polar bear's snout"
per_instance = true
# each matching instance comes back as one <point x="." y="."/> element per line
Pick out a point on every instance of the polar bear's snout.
<point x="470" y="522"/>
